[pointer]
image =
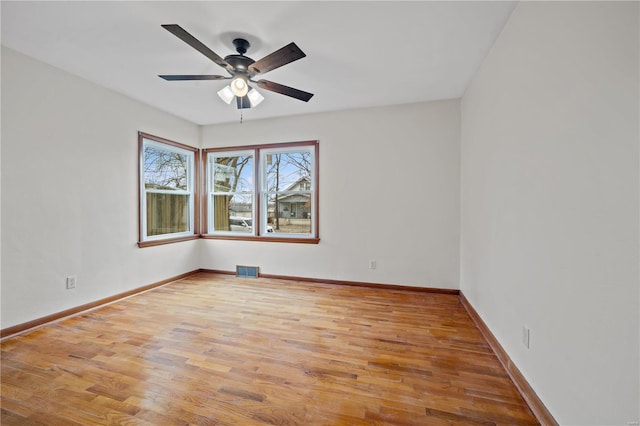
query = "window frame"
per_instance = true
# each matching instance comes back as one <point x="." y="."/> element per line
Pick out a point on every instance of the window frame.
<point x="193" y="177"/>
<point x="211" y="192"/>
<point x="259" y="201"/>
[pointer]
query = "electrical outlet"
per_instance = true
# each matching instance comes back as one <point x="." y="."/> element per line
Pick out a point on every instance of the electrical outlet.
<point x="71" y="282"/>
<point x="526" y="334"/>
<point x="372" y="264"/>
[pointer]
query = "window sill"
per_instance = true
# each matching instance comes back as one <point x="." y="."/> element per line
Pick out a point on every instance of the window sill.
<point x="305" y="240"/>
<point x="267" y="239"/>
<point x="151" y="243"/>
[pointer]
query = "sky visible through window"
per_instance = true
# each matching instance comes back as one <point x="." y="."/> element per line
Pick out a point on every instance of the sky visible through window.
<point x="287" y="168"/>
<point x="235" y="173"/>
<point x="164" y="169"/>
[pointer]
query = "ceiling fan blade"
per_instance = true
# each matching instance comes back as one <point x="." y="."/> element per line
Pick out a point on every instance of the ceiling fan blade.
<point x="193" y="77"/>
<point x="242" y="103"/>
<point x="284" y="90"/>
<point x="291" y="52"/>
<point x="183" y="35"/>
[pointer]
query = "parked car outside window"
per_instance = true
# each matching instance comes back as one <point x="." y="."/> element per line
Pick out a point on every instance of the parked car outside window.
<point x="244" y="224"/>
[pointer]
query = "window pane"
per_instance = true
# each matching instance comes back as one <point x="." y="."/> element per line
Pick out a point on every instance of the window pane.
<point x="294" y="213"/>
<point x="167" y="213"/>
<point x="232" y="212"/>
<point x="233" y="174"/>
<point x="164" y="169"/>
<point x="288" y="171"/>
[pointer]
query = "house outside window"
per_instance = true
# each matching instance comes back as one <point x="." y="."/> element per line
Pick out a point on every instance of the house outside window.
<point x="287" y="190"/>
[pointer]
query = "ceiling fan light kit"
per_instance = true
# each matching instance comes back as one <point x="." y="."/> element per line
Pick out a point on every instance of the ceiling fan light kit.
<point x="242" y="70"/>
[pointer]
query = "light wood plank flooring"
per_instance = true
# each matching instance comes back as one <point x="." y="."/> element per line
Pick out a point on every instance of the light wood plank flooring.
<point x="214" y="349"/>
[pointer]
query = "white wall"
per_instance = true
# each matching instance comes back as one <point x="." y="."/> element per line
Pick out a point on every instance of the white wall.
<point x="389" y="190"/>
<point x="69" y="193"/>
<point x="549" y="226"/>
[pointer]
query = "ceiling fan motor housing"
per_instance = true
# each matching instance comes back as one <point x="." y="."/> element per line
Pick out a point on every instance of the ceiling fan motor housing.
<point x="240" y="63"/>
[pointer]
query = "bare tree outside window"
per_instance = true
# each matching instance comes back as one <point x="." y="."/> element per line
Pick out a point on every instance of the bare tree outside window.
<point x="164" y="169"/>
<point x="288" y="190"/>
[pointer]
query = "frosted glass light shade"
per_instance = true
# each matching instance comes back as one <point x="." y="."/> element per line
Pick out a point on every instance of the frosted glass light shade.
<point x="226" y="94"/>
<point x="255" y="97"/>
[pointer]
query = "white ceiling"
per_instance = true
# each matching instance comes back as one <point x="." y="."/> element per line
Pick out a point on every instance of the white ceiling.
<point x="359" y="53"/>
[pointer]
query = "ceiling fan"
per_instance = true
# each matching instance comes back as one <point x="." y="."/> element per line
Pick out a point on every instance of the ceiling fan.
<point x="242" y="69"/>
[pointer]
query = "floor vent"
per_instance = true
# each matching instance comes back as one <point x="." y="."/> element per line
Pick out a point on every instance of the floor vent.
<point x="247" y="271"/>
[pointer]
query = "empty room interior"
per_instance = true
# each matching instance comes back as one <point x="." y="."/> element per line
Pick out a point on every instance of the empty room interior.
<point x="403" y="213"/>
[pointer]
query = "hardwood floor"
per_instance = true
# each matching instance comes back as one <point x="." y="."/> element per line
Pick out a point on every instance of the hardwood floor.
<point x="214" y="349"/>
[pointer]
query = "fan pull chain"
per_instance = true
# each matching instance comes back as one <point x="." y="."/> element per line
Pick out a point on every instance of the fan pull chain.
<point x="240" y="116"/>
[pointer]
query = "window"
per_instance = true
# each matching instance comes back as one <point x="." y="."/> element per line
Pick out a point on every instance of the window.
<point x="231" y="191"/>
<point x="286" y="189"/>
<point x="167" y="190"/>
<point x="258" y="192"/>
<point x="263" y="192"/>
